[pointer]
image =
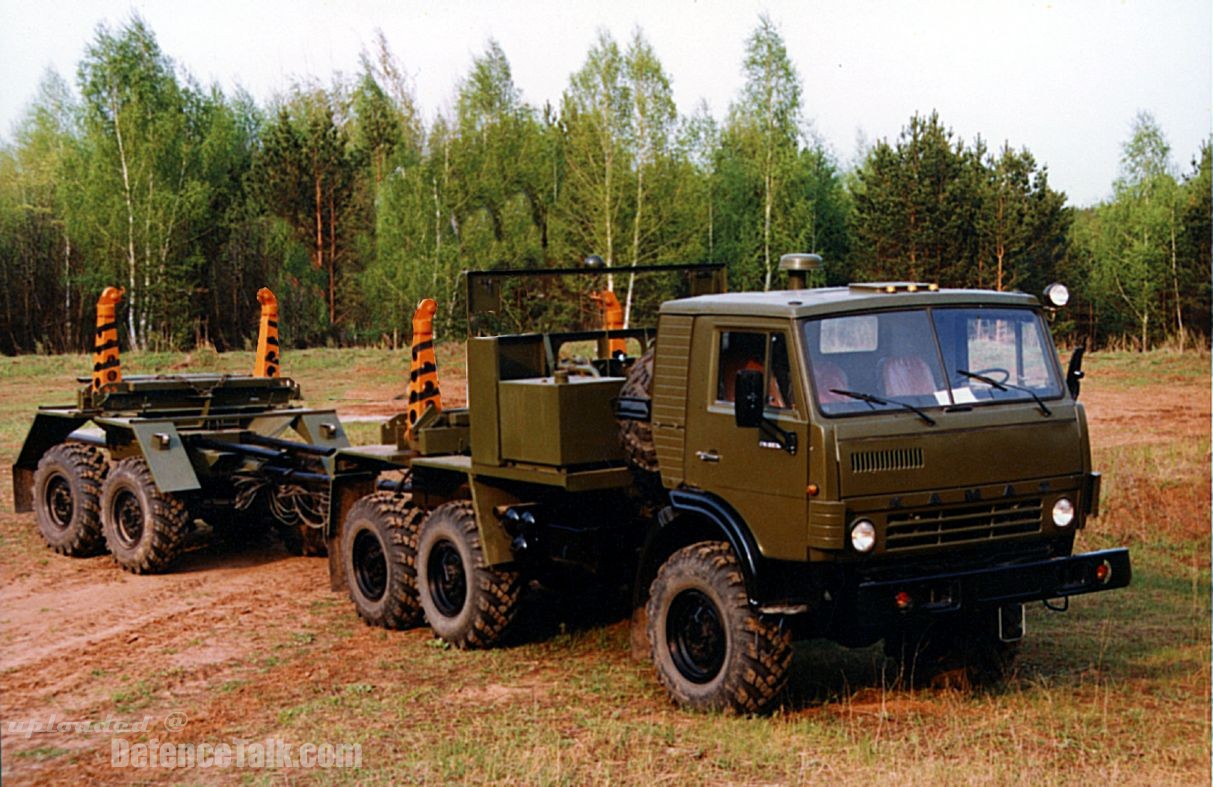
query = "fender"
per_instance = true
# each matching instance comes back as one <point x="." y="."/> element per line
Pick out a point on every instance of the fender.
<point x="721" y="517"/>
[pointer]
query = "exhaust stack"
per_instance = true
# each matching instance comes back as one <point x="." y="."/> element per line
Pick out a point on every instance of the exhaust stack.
<point x="798" y="267"/>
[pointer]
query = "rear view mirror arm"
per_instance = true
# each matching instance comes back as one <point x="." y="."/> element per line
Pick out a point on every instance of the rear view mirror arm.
<point x="772" y="435"/>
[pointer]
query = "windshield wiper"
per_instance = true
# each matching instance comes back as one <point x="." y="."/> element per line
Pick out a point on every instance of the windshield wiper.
<point x="981" y="378"/>
<point x="870" y="399"/>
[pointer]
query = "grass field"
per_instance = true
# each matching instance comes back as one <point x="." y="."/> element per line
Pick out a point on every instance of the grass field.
<point x="250" y="644"/>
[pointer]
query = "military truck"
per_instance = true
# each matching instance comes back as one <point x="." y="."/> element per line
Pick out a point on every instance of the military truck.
<point x="882" y="461"/>
<point x="136" y="461"/>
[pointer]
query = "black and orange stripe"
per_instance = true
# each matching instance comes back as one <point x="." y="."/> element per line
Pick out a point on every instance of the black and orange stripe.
<point x="107" y="366"/>
<point x="423" y="375"/>
<point x="269" y="352"/>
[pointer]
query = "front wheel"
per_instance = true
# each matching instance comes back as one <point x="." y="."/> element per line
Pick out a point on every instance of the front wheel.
<point x="467" y="603"/>
<point x="712" y="650"/>
<point x="144" y="527"/>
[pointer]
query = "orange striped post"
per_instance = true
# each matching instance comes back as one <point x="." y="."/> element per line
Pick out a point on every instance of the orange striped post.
<point x="107" y="368"/>
<point x="269" y="353"/>
<point x="423" y="374"/>
<point x="612" y="320"/>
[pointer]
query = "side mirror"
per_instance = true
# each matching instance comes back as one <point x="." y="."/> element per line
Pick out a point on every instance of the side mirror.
<point x="748" y="398"/>
<point x="1075" y="374"/>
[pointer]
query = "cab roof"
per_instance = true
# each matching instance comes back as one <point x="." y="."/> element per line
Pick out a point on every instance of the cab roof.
<point x="833" y="300"/>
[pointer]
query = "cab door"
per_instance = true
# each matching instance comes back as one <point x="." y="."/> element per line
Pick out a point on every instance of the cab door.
<point x="762" y="480"/>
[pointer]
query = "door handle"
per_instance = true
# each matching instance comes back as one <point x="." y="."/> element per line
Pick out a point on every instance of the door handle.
<point x="707" y="456"/>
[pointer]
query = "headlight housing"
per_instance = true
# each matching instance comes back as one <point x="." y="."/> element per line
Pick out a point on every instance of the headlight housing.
<point x="863" y="536"/>
<point x="1063" y="512"/>
<point x="1057" y="295"/>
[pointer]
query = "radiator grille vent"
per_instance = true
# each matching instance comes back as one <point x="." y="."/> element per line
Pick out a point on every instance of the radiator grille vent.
<point x="884" y="461"/>
<point x="965" y="523"/>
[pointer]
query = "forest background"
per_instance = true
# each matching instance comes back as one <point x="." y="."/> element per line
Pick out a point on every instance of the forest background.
<point x="341" y="198"/>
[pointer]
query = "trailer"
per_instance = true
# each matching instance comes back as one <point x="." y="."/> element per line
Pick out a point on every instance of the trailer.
<point x="136" y="461"/>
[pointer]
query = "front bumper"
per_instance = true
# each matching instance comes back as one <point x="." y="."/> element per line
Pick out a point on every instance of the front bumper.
<point x="888" y="600"/>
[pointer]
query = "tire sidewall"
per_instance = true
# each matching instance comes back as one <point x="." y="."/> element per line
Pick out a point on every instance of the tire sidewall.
<point x="441" y="526"/>
<point x="684" y="577"/>
<point x="125" y="479"/>
<point x="360" y="521"/>
<point x="53" y="466"/>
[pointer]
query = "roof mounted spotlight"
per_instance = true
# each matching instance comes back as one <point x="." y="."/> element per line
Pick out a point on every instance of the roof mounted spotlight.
<point x="1057" y="295"/>
<point x="593" y="261"/>
<point x="798" y="267"/>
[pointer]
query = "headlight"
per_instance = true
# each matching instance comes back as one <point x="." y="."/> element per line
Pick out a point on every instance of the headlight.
<point x="863" y="536"/>
<point x="1063" y="512"/>
<point x="1057" y="295"/>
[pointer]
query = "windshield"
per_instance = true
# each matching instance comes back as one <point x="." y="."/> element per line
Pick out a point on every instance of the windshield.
<point x="929" y="358"/>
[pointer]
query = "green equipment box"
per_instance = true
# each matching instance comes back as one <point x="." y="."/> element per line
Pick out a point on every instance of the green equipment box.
<point x="561" y="424"/>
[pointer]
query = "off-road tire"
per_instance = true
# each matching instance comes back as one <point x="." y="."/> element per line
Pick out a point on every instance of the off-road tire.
<point x="637" y="436"/>
<point x="67" y="499"/>
<point x="711" y="649"/>
<point x="379" y="547"/>
<point x="144" y="528"/>
<point x="467" y="603"/>
<point x="963" y="653"/>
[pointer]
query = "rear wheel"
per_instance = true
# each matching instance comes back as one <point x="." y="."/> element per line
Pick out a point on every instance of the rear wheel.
<point x="711" y="649"/>
<point x="67" y="499"/>
<point x="144" y="528"/>
<point x="467" y="603"/>
<point x="379" y="546"/>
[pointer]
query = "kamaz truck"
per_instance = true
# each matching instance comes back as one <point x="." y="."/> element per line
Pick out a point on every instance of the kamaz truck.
<point x="882" y="461"/>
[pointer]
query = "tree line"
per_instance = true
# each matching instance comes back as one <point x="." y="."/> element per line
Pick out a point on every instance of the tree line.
<point x="352" y="207"/>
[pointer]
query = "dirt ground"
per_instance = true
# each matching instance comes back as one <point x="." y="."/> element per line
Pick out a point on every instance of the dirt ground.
<point x="228" y="638"/>
<point x="1160" y="414"/>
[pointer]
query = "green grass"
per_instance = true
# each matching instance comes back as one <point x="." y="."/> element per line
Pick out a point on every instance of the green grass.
<point x="1136" y="370"/>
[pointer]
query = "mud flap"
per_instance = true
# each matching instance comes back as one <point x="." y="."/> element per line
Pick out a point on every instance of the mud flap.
<point x="1011" y="622"/>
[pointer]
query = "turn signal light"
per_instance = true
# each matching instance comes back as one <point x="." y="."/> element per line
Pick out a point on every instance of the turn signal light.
<point x="1103" y="572"/>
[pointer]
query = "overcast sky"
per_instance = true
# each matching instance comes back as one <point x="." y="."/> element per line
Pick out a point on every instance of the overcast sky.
<point x="1063" y="79"/>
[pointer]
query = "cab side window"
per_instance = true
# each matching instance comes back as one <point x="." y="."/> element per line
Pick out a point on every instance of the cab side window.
<point x="755" y="351"/>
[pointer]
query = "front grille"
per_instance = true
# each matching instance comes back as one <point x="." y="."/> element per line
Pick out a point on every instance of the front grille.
<point x="961" y="524"/>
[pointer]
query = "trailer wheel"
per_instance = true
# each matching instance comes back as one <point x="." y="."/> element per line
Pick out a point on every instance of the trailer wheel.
<point x="67" y="495"/>
<point x="466" y="602"/>
<point x="144" y="527"/>
<point x="966" y="651"/>
<point x="711" y="649"/>
<point x="379" y="547"/>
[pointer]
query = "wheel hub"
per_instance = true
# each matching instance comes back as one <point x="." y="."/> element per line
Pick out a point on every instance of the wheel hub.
<point x="128" y="516"/>
<point x="695" y="636"/>
<point x="370" y="566"/>
<point x="447" y="578"/>
<point x="59" y="502"/>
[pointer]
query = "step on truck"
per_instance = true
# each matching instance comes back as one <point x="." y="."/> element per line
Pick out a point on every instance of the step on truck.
<point x="137" y="461"/>
<point x="888" y="461"/>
